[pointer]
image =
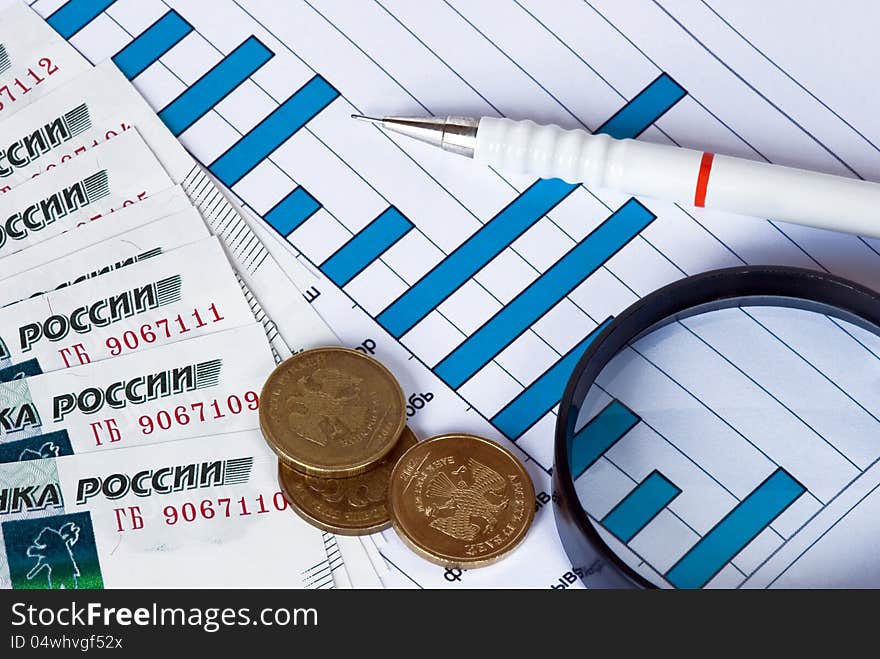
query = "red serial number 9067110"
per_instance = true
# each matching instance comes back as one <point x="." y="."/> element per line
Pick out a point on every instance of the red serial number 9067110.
<point x="225" y="507"/>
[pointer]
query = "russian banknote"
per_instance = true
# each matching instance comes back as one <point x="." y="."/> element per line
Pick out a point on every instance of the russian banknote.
<point x="203" y="386"/>
<point x="185" y="293"/>
<point x="147" y="241"/>
<point x="167" y="202"/>
<point x="34" y="59"/>
<point x="115" y="175"/>
<point x="202" y="512"/>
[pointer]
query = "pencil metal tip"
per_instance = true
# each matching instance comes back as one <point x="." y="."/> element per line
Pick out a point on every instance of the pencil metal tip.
<point x="455" y="134"/>
<point x="361" y="117"/>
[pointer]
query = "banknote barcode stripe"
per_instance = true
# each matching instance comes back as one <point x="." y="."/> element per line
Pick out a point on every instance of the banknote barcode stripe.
<point x="150" y="253"/>
<point x="237" y="471"/>
<point x="5" y="64"/>
<point x="168" y="290"/>
<point x="78" y="120"/>
<point x="97" y="185"/>
<point x="208" y="373"/>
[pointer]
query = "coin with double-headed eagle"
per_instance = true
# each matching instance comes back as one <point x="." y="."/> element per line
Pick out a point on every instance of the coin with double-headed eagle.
<point x="332" y="412"/>
<point x="461" y="501"/>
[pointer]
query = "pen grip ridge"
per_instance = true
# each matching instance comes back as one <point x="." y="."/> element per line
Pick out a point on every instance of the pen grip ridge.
<point x="548" y="151"/>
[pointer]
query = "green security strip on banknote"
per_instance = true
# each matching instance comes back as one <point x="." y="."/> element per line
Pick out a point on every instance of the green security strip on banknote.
<point x="203" y="512"/>
<point x="206" y="386"/>
<point x="189" y="292"/>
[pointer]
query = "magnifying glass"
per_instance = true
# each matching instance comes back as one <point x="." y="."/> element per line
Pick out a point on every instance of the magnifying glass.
<point x="724" y="432"/>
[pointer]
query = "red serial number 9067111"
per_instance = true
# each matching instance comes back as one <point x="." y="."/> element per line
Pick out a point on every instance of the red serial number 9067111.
<point x="163" y="328"/>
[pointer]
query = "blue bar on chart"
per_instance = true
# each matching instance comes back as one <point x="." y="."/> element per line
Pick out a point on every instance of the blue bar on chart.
<point x="273" y="131"/>
<point x="544" y="293"/>
<point x="74" y="15"/>
<point x="543" y="394"/>
<point x="470" y="257"/>
<point x="643" y="503"/>
<point x="215" y="85"/>
<point x="738" y="528"/>
<point x="601" y="433"/>
<point x="521" y="214"/>
<point x="151" y="44"/>
<point x="644" y="109"/>
<point x="289" y="213"/>
<point x="366" y="246"/>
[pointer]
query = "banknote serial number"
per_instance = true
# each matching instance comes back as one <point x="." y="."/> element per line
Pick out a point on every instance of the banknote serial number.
<point x="165" y="328"/>
<point x="224" y="507"/>
<point x="199" y="412"/>
<point x="146" y="335"/>
<point x="18" y="87"/>
<point x="109" y="134"/>
<point x="48" y="165"/>
<point x="131" y="518"/>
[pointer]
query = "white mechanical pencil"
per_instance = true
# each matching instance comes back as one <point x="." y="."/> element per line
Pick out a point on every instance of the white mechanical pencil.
<point x="634" y="167"/>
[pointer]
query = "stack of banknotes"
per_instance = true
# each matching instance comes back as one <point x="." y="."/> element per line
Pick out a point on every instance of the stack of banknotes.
<point x="140" y="315"/>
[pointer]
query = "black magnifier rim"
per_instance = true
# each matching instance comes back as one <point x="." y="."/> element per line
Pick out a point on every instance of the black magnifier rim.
<point x="716" y="289"/>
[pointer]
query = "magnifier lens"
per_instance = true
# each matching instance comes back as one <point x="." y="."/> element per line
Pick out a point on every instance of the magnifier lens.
<point x="737" y="448"/>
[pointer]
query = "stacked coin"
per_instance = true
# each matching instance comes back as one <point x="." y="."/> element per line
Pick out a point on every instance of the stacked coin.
<point x="348" y="463"/>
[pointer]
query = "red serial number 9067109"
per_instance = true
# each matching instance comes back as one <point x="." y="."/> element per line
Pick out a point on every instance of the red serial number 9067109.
<point x="199" y="412"/>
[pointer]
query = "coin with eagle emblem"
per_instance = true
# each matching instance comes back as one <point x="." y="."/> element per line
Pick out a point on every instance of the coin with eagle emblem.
<point x="461" y="501"/>
<point x="347" y="506"/>
<point x="332" y="412"/>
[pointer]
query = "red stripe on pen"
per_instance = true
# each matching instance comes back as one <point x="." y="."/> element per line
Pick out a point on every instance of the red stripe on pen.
<point x="703" y="179"/>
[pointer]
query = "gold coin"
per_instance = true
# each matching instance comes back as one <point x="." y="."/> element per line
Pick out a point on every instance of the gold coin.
<point x="347" y="506"/>
<point x="461" y="501"/>
<point x="332" y="412"/>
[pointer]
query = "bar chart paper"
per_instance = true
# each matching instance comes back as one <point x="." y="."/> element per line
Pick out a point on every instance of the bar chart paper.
<point x="481" y="288"/>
